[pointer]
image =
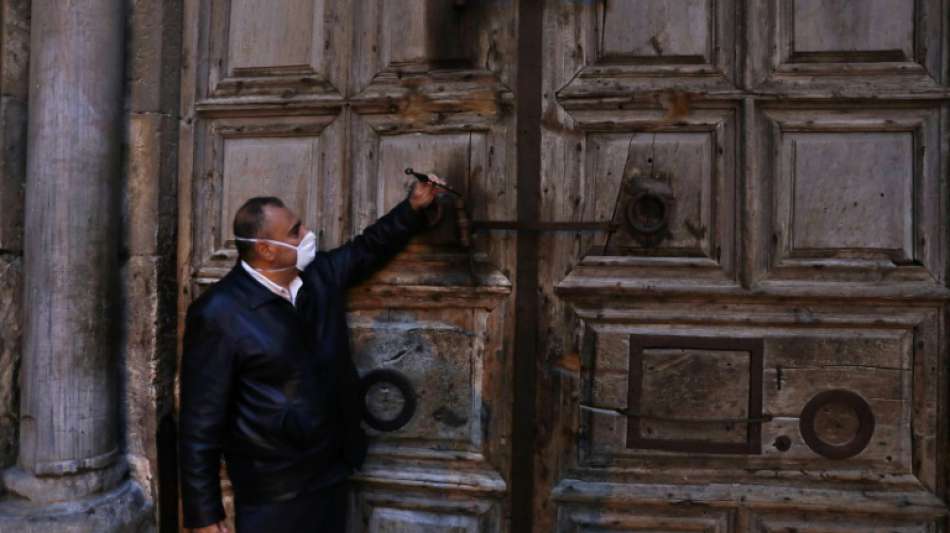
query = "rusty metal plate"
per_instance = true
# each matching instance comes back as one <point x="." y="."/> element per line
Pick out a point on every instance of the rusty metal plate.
<point x="837" y="424"/>
<point x="711" y="401"/>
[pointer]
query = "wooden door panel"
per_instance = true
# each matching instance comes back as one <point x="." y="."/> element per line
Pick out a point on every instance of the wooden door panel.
<point x="874" y="26"/>
<point x="618" y="47"/>
<point x="840" y="523"/>
<point x="675" y="30"/>
<point x="699" y="381"/>
<point x="431" y="36"/>
<point x="852" y="195"/>
<point x="402" y="514"/>
<point x="442" y="357"/>
<point x="290" y="157"/>
<point x="284" y="49"/>
<point x="579" y="519"/>
<point x="285" y="34"/>
<point x="460" y="147"/>
<point x="638" y="156"/>
<point x="827" y="45"/>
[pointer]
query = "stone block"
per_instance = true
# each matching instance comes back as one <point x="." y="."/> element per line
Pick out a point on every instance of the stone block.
<point x="14" y="53"/>
<point x="12" y="172"/>
<point x="121" y="510"/>
<point x="14" y="87"/>
<point x="154" y="56"/>
<point x="11" y="323"/>
<point x="149" y="199"/>
<point x="148" y="355"/>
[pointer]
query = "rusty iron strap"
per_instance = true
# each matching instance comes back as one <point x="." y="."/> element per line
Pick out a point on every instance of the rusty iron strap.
<point x="630" y="414"/>
<point x="515" y="225"/>
<point x="530" y="16"/>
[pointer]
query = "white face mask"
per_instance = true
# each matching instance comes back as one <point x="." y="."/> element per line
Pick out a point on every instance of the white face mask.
<point x="306" y="251"/>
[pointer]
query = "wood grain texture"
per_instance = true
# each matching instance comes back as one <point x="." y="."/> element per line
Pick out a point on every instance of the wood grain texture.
<point x="800" y="150"/>
<point x="324" y="104"/>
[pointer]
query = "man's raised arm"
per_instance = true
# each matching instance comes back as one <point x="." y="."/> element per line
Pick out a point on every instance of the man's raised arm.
<point x="361" y="256"/>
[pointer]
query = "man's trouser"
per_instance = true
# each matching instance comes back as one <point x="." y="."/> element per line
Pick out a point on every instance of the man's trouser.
<point x="318" y="511"/>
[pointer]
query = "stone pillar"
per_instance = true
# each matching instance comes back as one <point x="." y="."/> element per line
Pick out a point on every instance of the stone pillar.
<point x="69" y="469"/>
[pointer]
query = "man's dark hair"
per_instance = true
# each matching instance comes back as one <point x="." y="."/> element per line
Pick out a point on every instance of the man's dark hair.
<point x="249" y="220"/>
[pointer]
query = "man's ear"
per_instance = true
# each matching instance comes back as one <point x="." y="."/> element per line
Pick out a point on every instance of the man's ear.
<point x="263" y="251"/>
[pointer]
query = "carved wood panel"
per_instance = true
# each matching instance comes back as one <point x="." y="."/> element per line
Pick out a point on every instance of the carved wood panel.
<point x="619" y="47"/>
<point x="582" y="519"/>
<point x="851" y="47"/>
<point x="770" y="174"/>
<point x="688" y="165"/>
<point x="852" y="194"/>
<point x="693" y="393"/>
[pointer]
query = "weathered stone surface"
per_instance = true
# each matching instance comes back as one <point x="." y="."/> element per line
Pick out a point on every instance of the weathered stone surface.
<point x="11" y="290"/>
<point x="68" y="388"/>
<point x="14" y="54"/>
<point x="148" y="364"/>
<point x="154" y="44"/>
<point x="149" y="198"/>
<point x="121" y="510"/>
<point x="14" y="84"/>
<point x="148" y="296"/>
<point x="53" y="489"/>
<point x="12" y="171"/>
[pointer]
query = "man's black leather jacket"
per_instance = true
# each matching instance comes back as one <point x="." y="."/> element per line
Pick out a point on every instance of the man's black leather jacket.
<point x="272" y="386"/>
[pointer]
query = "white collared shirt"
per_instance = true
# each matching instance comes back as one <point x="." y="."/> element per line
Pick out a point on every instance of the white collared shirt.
<point x="289" y="295"/>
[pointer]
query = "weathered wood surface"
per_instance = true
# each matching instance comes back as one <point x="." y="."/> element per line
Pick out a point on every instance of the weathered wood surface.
<point x="799" y="153"/>
<point x="325" y="104"/>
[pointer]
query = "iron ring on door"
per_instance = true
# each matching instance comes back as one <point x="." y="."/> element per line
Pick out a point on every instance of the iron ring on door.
<point x="399" y="382"/>
<point x="852" y="440"/>
<point x="648" y="213"/>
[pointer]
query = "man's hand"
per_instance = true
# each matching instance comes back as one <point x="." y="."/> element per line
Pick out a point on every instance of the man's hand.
<point x="213" y="528"/>
<point x="424" y="193"/>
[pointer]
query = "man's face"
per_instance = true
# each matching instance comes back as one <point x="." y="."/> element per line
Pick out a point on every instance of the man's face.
<point x="280" y="224"/>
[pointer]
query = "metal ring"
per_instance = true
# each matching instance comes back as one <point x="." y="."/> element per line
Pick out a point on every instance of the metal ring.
<point x="861" y="438"/>
<point x="396" y="379"/>
<point x="640" y="220"/>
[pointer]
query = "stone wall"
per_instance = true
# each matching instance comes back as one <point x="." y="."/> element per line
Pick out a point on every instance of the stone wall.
<point x="148" y="302"/>
<point x="14" y="57"/>
<point x="147" y="347"/>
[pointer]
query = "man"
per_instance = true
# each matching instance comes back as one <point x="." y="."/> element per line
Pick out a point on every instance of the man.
<point x="267" y="379"/>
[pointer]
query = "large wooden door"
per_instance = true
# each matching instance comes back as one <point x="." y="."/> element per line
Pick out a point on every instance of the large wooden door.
<point x="760" y="343"/>
<point x="755" y="339"/>
<point x="325" y="103"/>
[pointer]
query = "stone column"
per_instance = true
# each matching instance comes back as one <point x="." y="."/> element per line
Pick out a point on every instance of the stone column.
<point x="69" y="460"/>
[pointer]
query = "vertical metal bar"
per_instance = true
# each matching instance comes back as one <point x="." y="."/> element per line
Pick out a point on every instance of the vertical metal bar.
<point x="528" y="118"/>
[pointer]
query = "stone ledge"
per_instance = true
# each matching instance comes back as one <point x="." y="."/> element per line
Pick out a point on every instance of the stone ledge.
<point x="121" y="510"/>
<point x="51" y="489"/>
